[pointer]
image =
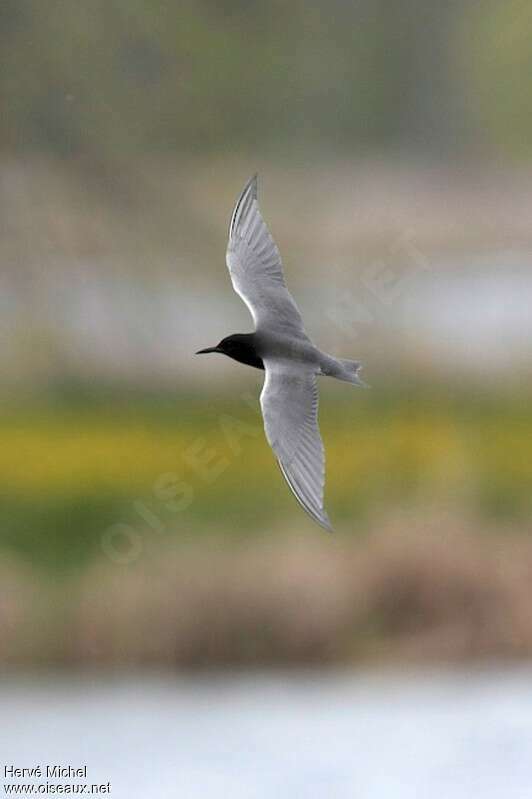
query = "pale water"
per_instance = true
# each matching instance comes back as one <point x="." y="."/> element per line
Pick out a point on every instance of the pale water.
<point x="451" y="735"/>
<point x="474" y="312"/>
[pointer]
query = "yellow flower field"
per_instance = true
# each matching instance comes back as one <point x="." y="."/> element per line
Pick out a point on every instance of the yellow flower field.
<point x="199" y="465"/>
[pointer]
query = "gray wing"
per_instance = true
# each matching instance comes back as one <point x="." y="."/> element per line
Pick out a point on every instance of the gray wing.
<point x="256" y="269"/>
<point x="289" y="402"/>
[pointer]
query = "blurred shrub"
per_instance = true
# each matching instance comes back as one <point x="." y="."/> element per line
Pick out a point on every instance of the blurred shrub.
<point x="418" y="589"/>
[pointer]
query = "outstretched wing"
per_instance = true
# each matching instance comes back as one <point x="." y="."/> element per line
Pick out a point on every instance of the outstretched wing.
<point x="256" y="269"/>
<point x="289" y="402"/>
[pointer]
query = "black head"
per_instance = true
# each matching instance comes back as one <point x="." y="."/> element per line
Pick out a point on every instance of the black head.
<point x="240" y="346"/>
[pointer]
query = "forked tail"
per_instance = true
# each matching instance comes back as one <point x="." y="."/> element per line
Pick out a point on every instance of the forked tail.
<point x="342" y="369"/>
<point x="351" y="370"/>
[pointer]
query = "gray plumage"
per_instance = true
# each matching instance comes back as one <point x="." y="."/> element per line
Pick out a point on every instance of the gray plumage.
<point x="289" y="398"/>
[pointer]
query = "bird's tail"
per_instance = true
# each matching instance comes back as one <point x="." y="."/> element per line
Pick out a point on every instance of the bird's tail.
<point x="349" y="372"/>
<point x="341" y="369"/>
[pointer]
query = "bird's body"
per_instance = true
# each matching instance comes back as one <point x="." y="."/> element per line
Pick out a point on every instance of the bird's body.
<point x="280" y="346"/>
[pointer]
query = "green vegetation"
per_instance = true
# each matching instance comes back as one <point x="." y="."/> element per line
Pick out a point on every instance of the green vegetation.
<point x="156" y="527"/>
<point x="495" y="55"/>
<point x="184" y="467"/>
<point x="109" y="82"/>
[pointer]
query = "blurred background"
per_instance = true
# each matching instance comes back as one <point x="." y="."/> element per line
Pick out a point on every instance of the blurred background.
<point x="155" y="570"/>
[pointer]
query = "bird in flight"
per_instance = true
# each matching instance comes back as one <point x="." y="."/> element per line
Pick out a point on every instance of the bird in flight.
<point x="280" y="346"/>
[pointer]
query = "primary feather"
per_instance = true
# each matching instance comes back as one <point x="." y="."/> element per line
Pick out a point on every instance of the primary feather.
<point x="256" y="270"/>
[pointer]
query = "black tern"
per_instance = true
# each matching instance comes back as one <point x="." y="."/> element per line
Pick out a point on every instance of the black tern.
<point x="280" y="346"/>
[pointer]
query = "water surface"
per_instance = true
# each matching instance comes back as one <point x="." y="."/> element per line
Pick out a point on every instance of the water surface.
<point x="440" y="735"/>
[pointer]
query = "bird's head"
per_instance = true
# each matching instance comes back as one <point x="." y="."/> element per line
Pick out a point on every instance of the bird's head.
<point x="224" y="347"/>
<point x="240" y="346"/>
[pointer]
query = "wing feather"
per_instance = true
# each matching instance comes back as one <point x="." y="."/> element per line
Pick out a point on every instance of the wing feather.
<point x="256" y="270"/>
<point x="289" y="402"/>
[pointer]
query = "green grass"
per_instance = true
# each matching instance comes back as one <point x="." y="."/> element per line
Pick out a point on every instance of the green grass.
<point x="78" y="462"/>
